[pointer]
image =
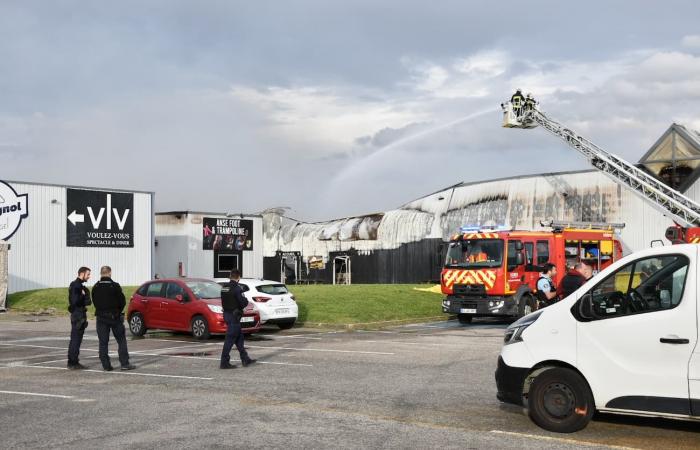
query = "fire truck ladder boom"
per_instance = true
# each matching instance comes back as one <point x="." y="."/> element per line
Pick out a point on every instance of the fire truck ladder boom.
<point x="667" y="200"/>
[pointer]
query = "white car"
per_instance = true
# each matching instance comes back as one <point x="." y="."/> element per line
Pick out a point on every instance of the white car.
<point x="275" y="304"/>
<point x="626" y="342"/>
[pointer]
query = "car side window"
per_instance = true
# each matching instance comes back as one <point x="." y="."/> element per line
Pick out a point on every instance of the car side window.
<point x="154" y="290"/>
<point x="173" y="290"/>
<point x="244" y="287"/>
<point x="142" y="290"/>
<point x="542" y="252"/>
<point x="643" y="286"/>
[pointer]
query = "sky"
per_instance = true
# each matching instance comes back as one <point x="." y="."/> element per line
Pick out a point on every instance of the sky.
<point x="329" y="108"/>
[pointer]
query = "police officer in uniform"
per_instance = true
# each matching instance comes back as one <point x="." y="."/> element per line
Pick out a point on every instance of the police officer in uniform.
<point x="233" y="302"/>
<point x="78" y="301"/>
<point x="109" y="303"/>
<point x="546" y="290"/>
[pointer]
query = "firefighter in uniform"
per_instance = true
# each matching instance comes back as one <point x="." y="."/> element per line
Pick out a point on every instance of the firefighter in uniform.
<point x="518" y="101"/>
<point x="530" y="102"/>
<point x="233" y="303"/>
<point x="546" y="290"/>
<point x="109" y="301"/>
<point x="78" y="301"/>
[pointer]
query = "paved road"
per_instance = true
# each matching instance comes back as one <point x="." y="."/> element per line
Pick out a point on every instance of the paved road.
<point x="420" y="386"/>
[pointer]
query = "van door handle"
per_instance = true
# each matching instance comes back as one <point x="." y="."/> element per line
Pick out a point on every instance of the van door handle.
<point x="673" y="339"/>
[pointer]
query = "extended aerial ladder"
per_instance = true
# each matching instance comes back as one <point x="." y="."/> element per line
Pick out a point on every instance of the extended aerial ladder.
<point x="681" y="209"/>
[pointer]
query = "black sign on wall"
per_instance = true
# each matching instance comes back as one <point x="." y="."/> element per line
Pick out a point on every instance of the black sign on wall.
<point x="225" y="261"/>
<point x="227" y="234"/>
<point x="99" y="219"/>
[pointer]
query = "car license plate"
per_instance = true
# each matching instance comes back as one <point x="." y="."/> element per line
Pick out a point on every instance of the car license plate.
<point x="282" y="310"/>
<point x="467" y="311"/>
<point x="247" y="319"/>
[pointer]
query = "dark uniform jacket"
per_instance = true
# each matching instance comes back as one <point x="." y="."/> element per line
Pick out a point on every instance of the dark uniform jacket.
<point x="78" y="296"/>
<point x="571" y="281"/>
<point x="108" y="298"/>
<point x="233" y="300"/>
<point x="517" y="99"/>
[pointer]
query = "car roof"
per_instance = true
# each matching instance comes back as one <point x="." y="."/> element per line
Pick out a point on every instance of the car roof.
<point x="184" y="280"/>
<point x="257" y="281"/>
<point x="250" y="281"/>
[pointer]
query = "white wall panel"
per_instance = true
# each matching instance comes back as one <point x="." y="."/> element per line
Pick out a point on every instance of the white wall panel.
<point x="39" y="257"/>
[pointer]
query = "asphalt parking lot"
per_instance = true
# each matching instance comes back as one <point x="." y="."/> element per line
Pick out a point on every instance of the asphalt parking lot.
<point x="418" y="386"/>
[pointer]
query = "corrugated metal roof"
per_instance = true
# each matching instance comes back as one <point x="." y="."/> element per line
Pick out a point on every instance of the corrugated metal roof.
<point x="70" y="186"/>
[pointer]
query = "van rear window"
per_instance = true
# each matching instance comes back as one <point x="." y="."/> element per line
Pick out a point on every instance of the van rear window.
<point x="273" y="289"/>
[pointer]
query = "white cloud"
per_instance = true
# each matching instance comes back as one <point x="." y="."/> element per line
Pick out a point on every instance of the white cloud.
<point x="487" y="64"/>
<point x="691" y="41"/>
<point x="329" y="118"/>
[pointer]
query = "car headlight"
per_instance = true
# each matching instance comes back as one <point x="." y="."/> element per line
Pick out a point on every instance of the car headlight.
<point x="216" y="309"/>
<point x="514" y="333"/>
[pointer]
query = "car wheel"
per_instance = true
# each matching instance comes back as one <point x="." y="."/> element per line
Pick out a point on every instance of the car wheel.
<point x="286" y="325"/>
<point x="464" y="318"/>
<point x="200" y="328"/>
<point x="526" y="305"/>
<point x="560" y="400"/>
<point x="137" y="325"/>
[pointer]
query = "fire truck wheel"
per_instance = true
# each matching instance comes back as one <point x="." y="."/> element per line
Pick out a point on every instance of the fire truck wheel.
<point x="526" y="305"/>
<point x="464" y="318"/>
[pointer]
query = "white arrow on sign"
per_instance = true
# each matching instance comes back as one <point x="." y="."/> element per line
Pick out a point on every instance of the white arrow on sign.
<point x="74" y="217"/>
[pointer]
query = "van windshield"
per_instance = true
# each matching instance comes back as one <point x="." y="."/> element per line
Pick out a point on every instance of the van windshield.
<point x="475" y="253"/>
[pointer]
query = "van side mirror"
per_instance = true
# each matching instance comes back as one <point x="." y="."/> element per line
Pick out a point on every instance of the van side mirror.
<point x="519" y="259"/>
<point x="585" y="307"/>
<point x="519" y="246"/>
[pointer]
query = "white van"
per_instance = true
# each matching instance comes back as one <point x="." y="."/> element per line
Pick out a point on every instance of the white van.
<point x="626" y="342"/>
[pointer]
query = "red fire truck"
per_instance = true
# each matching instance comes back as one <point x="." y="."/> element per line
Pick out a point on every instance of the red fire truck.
<point x="494" y="272"/>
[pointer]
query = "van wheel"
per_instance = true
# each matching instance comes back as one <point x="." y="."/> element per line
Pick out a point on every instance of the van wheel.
<point x="137" y="326"/>
<point x="561" y="401"/>
<point x="464" y="318"/>
<point x="526" y="306"/>
<point x="200" y="328"/>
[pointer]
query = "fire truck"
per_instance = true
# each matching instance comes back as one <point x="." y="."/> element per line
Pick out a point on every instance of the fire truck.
<point x="494" y="271"/>
<point x="683" y="211"/>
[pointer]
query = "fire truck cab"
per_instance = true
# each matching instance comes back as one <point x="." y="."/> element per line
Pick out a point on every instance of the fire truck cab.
<point x="494" y="271"/>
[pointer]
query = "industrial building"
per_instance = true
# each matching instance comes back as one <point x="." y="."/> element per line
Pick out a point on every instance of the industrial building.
<point x="207" y="245"/>
<point x="406" y="245"/>
<point x="52" y="230"/>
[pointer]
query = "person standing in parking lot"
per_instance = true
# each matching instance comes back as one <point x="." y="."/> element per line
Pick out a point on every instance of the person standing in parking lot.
<point x="78" y="301"/>
<point x="233" y="303"/>
<point x="109" y="301"/>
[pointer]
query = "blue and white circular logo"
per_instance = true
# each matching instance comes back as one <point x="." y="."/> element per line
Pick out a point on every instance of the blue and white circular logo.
<point x="13" y="208"/>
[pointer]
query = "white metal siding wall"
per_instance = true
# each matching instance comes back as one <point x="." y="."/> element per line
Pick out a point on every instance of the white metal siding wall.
<point x="186" y="238"/>
<point x="39" y="258"/>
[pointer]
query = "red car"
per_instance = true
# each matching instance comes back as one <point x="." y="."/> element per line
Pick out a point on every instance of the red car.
<point x="183" y="304"/>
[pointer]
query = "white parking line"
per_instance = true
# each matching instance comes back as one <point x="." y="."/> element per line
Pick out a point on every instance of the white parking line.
<point x="192" y="357"/>
<point x="119" y="372"/>
<point x="19" y="359"/>
<point x="404" y="343"/>
<point x="36" y="394"/>
<point x="139" y="353"/>
<point x="297" y="336"/>
<point x="320" y="350"/>
<point x="562" y="440"/>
